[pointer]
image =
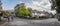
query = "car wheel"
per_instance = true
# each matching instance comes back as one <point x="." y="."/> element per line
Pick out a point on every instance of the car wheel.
<point x="58" y="19"/>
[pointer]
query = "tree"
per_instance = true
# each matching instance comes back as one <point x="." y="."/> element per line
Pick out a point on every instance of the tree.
<point x="16" y="9"/>
<point x="57" y="5"/>
<point x="53" y="4"/>
<point x="6" y="13"/>
<point x="22" y="10"/>
<point x="30" y="10"/>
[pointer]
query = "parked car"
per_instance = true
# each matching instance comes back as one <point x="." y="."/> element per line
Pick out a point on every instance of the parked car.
<point x="57" y="16"/>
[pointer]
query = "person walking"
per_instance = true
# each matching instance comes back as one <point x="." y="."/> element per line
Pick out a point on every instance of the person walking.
<point x="12" y="17"/>
<point x="9" y="18"/>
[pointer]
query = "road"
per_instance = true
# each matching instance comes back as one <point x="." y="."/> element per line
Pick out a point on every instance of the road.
<point x="27" y="22"/>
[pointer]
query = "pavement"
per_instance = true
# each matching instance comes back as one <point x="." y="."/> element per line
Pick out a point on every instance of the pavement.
<point x="27" y="22"/>
<point x="3" y="21"/>
<point x="4" y="24"/>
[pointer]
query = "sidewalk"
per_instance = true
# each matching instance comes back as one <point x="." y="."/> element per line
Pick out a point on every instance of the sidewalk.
<point x="3" y="22"/>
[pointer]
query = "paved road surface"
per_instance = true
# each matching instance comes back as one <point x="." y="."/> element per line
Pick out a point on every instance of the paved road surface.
<point x="27" y="22"/>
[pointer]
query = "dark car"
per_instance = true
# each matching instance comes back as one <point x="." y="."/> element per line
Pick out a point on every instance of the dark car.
<point x="57" y="16"/>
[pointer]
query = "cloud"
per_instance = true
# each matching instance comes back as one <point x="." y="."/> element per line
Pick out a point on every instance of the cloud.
<point x="21" y="2"/>
<point x="40" y="5"/>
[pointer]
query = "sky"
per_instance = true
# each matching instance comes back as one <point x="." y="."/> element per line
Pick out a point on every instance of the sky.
<point x="9" y="4"/>
<point x="39" y="5"/>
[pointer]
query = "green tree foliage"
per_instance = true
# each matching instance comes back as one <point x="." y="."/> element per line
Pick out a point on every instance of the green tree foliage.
<point x="23" y="11"/>
<point x="6" y="13"/>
